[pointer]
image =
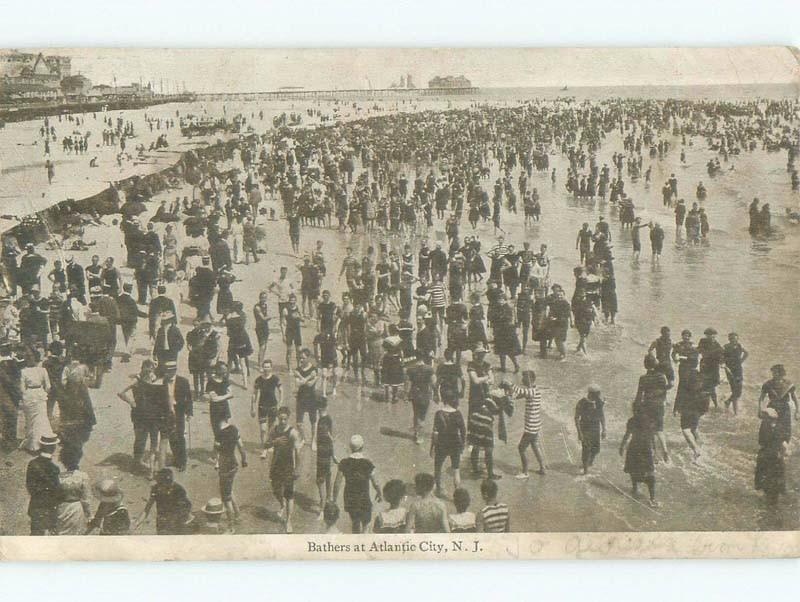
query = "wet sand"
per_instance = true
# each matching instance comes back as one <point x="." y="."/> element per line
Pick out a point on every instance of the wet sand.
<point x="728" y="284"/>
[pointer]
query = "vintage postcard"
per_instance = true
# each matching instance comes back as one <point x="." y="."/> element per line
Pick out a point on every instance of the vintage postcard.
<point x="399" y="303"/>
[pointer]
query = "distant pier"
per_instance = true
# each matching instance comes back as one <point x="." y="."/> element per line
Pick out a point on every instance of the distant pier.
<point x="360" y="93"/>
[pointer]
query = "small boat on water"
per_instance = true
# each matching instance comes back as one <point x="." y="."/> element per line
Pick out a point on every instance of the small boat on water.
<point x="564" y="89"/>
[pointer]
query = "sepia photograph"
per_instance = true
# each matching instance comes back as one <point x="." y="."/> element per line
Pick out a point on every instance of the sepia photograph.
<point x="388" y="303"/>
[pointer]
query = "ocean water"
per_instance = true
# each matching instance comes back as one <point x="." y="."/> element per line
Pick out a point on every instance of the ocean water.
<point x="735" y="92"/>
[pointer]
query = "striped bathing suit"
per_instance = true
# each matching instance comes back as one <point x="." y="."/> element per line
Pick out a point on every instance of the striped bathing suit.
<point x="437" y="293"/>
<point x="495" y="518"/>
<point x="533" y="408"/>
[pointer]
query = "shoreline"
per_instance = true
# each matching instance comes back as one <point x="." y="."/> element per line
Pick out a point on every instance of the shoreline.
<point x="38" y="226"/>
<point x="32" y="111"/>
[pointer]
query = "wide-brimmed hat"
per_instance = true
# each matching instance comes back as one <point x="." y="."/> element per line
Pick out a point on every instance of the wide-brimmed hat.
<point x="593" y="389"/>
<point x="709" y="331"/>
<point x="214" y="507"/>
<point x="167" y="315"/>
<point x="479" y="348"/>
<point x="46" y="440"/>
<point x="108" y="491"/>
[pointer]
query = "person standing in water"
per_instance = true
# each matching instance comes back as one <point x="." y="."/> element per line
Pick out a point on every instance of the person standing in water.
<point x="755" y="214"/>
<point x="691" y="403"/>
<point x="711" y="356"/>
<point x="662" y="348"/>
<point x="652" y="394"/>
<point x="780" y="392"/>
<point x="770" y="474"/>
<point x="637" y="449"/>
<point x="680" y="215"/>
<point x="590" y="422"/>
<point x="636" y="239"/>
<point x="656" y="241"/>
<point x="734" y="355"/>
<point x="584" y="241"/>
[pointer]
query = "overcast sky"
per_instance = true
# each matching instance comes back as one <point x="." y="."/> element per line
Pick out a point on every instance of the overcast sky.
<point x="243" y="70"/>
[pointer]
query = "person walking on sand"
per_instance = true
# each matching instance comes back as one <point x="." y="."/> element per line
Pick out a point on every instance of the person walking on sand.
<point x="358" y="472"/>
<point x="532" y="424"/>
<point x="44" y="487"/>
<point x="285" y="443"/>
<point x="227" y="445"/>
<point x="267" y="397"/>
<point x="448" y="441"/>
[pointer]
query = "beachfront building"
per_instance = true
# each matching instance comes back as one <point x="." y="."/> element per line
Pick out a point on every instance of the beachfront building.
<point x="449" y="81"/>
<point x="28" y="75"/>
<point x="76" y="86"/>
<point x="134" y="90"/>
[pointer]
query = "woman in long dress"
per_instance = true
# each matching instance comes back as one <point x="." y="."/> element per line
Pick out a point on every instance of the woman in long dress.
<point x="77" y="418"/>
<point x="506" y="341"/>
<point x="638" y="449"/>
<point x="392" y="373"/>
<point x="171" y="257"/>
<point x="35" y="385"/>
<point x="239" y="346"/>
<point x="75" y="508"/>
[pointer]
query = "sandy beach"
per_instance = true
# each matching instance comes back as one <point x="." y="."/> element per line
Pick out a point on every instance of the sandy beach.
<point x="691" y="287"/>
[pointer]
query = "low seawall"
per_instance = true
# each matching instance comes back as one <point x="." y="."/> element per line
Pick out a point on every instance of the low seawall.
<point x="29" y="111"/>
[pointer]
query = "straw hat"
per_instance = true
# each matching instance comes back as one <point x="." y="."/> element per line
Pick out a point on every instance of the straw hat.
<point x="108" y="491"/>
<point x="48" y="440"/>
<point x="213" y="507"/>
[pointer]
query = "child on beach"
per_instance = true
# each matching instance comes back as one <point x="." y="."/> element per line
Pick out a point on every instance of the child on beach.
<point x="494" y="517"/>
<point x="462" y="521"/>
<point x="394" y="519"/>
